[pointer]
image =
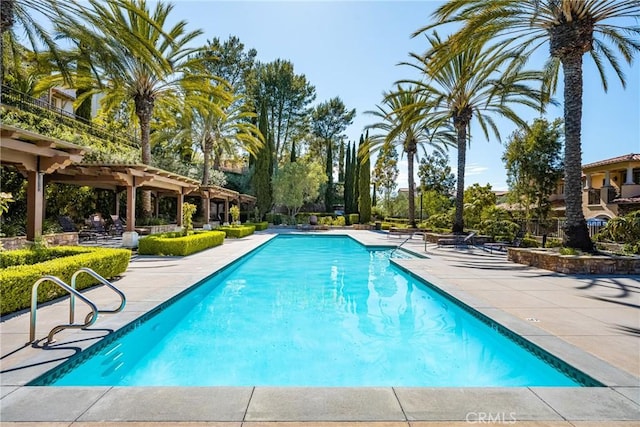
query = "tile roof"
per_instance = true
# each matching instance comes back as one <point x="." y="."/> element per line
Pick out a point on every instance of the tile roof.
<point x="627" y="200"/>
<point x="625" y="158"/>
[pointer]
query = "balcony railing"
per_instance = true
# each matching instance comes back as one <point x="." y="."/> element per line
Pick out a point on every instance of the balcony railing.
<point x="594" y="196"/>
<point x="25" y="102"/>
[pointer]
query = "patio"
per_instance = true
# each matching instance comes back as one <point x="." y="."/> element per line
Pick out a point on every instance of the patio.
<point x="590" y="322"/>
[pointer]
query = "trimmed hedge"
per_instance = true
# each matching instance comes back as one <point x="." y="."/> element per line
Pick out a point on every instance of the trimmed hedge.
<point x="22" y="268"/>
<point x="237" y="232"/>
<point x="176" y="243"/>
<point x="259" y="225"/>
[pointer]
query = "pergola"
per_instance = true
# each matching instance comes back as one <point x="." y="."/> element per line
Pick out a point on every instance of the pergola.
<point x="37" y="156"/>
<point x="34" y="156"/>
<point x="128" y="177"/>
<point x="224" y="195"/>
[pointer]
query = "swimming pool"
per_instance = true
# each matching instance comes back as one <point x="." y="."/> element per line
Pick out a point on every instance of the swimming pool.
<point x="314" y="311"/>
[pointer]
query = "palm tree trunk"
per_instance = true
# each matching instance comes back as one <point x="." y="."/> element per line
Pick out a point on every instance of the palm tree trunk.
<point x="6" y="15"/>
<point x="412" y="186"/>
<point x="576" y="234"/>
<point x="144" y="110"/>
<point x="458" y="221"/>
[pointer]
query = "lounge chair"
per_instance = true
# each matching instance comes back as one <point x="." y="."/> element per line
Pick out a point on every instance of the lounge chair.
<point x="96" y="228"/>
<point x="68" y="226"/>
<point x="458" y="240"/>
<point x="117" y="227"/>
<point x="502" y="246"/>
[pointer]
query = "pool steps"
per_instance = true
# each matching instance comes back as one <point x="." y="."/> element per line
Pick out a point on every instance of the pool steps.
<point x="91" y="317"/>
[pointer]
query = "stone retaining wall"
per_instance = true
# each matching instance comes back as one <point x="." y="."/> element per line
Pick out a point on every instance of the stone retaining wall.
<point x="58" y="239"/>
<point x="575" y="264"/>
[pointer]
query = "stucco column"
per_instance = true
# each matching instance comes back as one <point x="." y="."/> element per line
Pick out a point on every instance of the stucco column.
<point x="35" y="204"/>
<point x="587" y="184"/>
<point x="607" y="179"/>
<point x="629" y="177"/>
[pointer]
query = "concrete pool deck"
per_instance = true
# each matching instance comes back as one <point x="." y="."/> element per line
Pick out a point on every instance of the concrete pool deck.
<point x="591" y="322"/>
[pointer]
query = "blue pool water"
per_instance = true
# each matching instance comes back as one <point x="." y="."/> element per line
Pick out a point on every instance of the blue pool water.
<point x="313" y="311"/>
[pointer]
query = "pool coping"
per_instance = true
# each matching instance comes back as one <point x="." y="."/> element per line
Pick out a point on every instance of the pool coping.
<point x="620" y="400"/>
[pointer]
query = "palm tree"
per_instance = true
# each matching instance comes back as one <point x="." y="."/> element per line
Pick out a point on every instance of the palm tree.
<point x="134" y="59"/>
<point x="406" y="121"/>
<point x="22" y="14"/>
<point x="570" y="28"/>
<point x="474" y="83"/>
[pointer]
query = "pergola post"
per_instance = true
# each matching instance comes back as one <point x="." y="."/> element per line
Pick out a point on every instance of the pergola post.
<point x="226" y="210"/>
<point x="131" y="208"/>
<point x="35" y="204"/>
<point x="207" y="209"/>
<point x="130" y="236"/>
<point x="179" y="210"/>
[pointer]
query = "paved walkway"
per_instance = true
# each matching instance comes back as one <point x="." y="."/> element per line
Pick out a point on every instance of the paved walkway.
<point x="593" y="323"/>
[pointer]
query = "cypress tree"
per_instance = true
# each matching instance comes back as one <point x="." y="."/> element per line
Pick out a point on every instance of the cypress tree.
<point x="341" y="163"/>
<point x="293" y="151"/>
<point x="328" y="195"/>
<point x="364" y="201"/>
<point x="355" y="159"/>
<point x="348" y="182"/>
<point x="263" y="170"/>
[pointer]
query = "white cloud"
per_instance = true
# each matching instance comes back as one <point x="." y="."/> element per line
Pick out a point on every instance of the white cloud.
<point x="474" y="169"/>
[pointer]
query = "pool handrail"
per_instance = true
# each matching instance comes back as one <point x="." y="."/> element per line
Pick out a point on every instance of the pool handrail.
<point x="123" y="298"/>
<point x="72" y="291"/>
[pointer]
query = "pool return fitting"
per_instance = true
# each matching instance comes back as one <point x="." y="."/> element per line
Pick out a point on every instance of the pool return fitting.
<point x="90" y="318"/>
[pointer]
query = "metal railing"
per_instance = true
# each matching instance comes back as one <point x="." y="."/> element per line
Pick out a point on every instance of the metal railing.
<point x="89" y="319"/>
<point x="87" y="270"/>
<point x="22" y="101"/>
<point x="71" y="324"/>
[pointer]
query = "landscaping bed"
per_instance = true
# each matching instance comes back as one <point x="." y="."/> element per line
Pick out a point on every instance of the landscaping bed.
<point x="237" y="231"/>
<point x="178" y="244"/>
<point x="551" y="259"/>
<point x="20" y="269"/>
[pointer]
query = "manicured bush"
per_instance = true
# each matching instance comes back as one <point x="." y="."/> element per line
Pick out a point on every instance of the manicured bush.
<point x="354" y="218"/>
<point x="528" y="242"/>
<point x="340" y="221"/>
<point x="259" y="225"/>
<point x="273" y="218"/>
<point x="22" y="269"/>
<point x="176" y="244"/>
<point x="237" y="232"/>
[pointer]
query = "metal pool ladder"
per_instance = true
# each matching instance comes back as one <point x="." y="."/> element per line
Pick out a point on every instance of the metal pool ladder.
<point x="91" y="317"/>
<point x="400" y="245"/>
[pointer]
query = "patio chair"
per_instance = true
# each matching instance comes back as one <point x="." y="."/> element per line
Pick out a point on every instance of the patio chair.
<point x="117" y="227"/>
<point x="458" y="241"/>
<point x="97" y="228"/>
<point x="68" y="226"/>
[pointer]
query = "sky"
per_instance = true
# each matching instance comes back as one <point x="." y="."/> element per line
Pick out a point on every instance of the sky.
<point x="352" y="49"/>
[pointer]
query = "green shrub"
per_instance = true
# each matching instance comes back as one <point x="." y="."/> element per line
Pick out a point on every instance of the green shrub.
<point x="238" y="232"/>
<point x="259" y="226"/>
<point x="354" y="218"/>
<point x="506" y="229"/>
<point x="553" y="243"/>
<point x="176" y="244"/>
<point x="528" y="242"/>
<point x="23" y="269"/>
<point x="569" y="251"/>
<point x="274" y="218"/>
<point x="340" y="221"/>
